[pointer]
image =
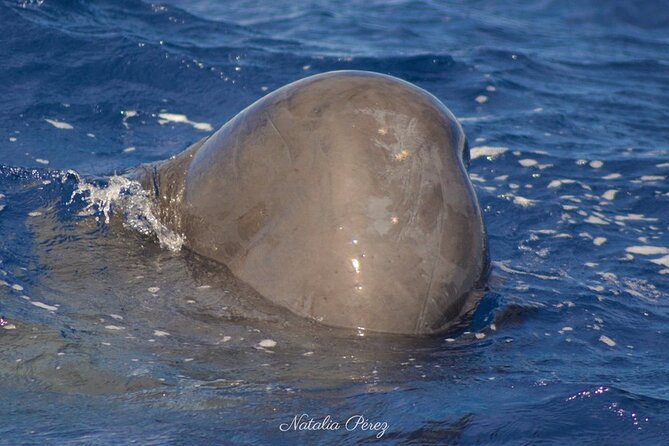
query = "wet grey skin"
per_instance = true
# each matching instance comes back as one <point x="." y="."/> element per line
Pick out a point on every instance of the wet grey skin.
<point x="343" y="197"/>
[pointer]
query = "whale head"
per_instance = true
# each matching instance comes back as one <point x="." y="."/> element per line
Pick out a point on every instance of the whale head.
<point x="343" y="197"/>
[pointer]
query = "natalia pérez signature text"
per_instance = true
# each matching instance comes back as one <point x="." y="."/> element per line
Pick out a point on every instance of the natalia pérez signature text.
<point x="304" y="422"/>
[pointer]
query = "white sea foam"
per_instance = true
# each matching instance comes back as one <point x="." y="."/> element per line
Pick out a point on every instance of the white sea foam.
<point x="610" y="194"/>
<point x="524" y="202"/>
<point x="634" y="217"/>
<point x="475" y="118"/>
<point x="558" y="183"/>
<point x="489" y="152"/>
<point x="504" y="267"/>
<point x="127" y="198"/>
<point x="599" y="241"/>
<point x="527" y="162"/>
<point x="651" y="178"/>
<point x="594" y="220"/>
<point x="647" y="250"/>
<point x="127" y="114"/>
<point x="663" y="261"/>
<point x="59" y="124"/>
<point x="44" y="306"/>
<point x="183" y="119"/>
<point x="607" y="340"/>
<point x="544" y="231"/>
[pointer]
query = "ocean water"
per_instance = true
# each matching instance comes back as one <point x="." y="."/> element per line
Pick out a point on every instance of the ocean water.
<point x="112" y="335"/>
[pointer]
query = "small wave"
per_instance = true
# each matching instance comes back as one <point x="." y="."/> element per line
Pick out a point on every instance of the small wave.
<point x="123" y="196"/>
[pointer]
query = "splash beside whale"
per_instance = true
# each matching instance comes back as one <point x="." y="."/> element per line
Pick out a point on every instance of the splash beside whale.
<point x="342" y="197"/>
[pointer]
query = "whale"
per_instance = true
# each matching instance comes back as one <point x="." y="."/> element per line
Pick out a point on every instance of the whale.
<point x="343" y="197"/>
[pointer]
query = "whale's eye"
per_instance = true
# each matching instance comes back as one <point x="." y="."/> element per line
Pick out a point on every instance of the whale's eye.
<point x="466" y="158"/>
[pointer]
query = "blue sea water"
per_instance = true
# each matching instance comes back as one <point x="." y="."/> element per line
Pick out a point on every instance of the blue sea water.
<point x="110" y="338"/>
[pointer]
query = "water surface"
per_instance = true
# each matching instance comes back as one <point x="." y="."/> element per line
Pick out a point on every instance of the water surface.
<point x="116" y="339"/>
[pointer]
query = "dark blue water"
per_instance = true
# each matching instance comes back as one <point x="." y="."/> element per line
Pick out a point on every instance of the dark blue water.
<point x="110" y="338"/>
